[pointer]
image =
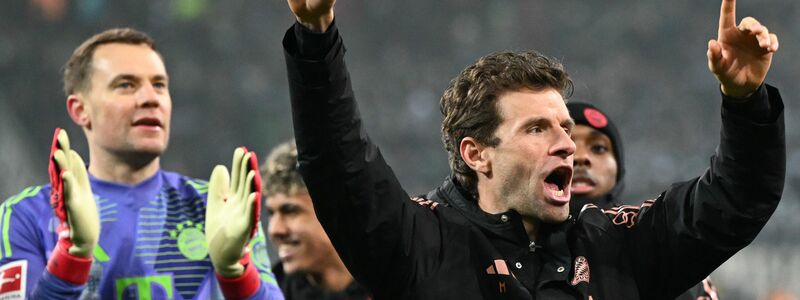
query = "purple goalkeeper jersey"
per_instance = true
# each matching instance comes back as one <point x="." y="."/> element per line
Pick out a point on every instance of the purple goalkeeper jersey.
<point x="152" y="244"/>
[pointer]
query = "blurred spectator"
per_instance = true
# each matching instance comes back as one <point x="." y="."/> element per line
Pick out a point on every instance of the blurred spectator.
<point x="52" y="10"/>
<point x="781" y="295"/>
<point x="309" y="267"/>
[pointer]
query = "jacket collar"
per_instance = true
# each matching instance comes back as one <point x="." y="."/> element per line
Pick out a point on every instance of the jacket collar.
<point x="505" y="226"/>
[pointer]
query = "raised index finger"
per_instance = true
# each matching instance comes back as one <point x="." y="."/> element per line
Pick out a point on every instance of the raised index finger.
<point x="727" y="14"/>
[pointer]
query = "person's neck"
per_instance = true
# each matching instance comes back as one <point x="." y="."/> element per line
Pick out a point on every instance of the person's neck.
<point x="531" y="228"/>
<point x="114" y="168"/>
<point x="490" y="202"/>
<point x="333" y="277"/>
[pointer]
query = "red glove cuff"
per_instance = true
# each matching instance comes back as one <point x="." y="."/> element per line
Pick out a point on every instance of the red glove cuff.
<point x="68" y="267"/>
<point x="243" y="286"/>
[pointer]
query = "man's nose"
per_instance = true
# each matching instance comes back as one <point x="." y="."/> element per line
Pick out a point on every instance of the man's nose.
<point x="277" y="227"/>
<point x="563" y="146"/>
<point x="581" y="157"/>
<point x="147" y="96"/>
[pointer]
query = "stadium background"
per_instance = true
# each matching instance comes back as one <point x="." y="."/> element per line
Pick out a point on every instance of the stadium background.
<point x="641" y="61"/>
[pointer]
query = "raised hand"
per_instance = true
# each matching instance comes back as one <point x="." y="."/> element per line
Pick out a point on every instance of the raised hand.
<point x="741" y="55"/>
<point x="232" y="212"/>
<point x="315" y="15"/>
<point x="75" y="207"/>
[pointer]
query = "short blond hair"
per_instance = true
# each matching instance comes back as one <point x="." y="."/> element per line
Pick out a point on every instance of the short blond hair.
<point x="279" y="171"/>
<point x="78" y="68"/>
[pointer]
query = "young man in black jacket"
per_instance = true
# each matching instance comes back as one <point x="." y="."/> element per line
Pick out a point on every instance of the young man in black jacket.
<point x="309" y="268"/>
<point x="499" y="227"/>
<point x="599" y="170"/>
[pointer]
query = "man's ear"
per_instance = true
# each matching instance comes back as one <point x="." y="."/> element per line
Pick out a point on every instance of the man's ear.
<point x="78" y="111"/>
<point x="476" y="155"/>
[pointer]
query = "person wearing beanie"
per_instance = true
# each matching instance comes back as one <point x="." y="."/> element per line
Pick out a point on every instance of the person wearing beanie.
<point x="599" y="169"/>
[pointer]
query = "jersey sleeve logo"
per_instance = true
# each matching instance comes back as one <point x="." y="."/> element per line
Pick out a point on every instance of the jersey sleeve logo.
<point x="581" y="270"/>
<point x="626" y="215"/>
<point x="12" y="280"/>
<point x="425" y="202"/>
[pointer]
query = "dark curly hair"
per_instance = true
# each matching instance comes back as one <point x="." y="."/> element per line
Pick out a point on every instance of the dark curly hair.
<point x="469" y="105"/>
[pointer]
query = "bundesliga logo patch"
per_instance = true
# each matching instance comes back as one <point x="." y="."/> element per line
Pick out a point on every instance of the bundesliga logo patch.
<point x="12" y="280"/>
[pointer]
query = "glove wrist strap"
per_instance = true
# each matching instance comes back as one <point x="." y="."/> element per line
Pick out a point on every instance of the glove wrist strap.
<point x="68" y="267"/>
<point x="243" y="286"/>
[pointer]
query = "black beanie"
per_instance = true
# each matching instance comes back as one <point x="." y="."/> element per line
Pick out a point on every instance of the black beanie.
<point x="587" y="114"/>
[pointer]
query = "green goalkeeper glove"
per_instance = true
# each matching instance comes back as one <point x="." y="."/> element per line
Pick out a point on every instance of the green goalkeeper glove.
<point x="232" y="212"/>
<point x="76" y="204"/>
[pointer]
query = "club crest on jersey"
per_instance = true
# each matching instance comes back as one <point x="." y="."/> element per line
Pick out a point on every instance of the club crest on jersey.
<point x="581" y="270"/>
<point x="258" y="250"/>
<point x="191" y="240"/>
<point x="12" y="280"/>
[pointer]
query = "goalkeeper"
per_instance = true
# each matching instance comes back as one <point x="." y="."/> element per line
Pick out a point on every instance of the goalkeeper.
<point x="127" y="229"/>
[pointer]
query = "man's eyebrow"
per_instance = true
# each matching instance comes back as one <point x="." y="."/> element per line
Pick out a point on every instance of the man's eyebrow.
<point x="596" y="133"/>
<point x="124" y="77"/>
<point x="534" y="121"/>
<point x="568" y="123"/>
<point x="287" y="206"/>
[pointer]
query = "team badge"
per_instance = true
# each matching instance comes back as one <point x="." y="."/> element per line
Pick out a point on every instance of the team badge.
<point x="191" y="240"/>
<point x="12" y="280"/>
<point x="258" y="250"/>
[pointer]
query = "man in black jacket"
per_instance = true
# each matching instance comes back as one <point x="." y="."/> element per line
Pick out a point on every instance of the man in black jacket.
<point x="599" y="170"/>
<point x="499" y="227"/>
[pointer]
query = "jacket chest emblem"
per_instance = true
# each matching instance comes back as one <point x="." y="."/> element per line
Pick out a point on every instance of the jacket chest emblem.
<point x="499" y="267"/>
<point x="581" y="270"/>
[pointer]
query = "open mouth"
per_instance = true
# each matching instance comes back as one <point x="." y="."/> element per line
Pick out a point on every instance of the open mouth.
<point x="287" y="249"/>
<point x="557" y="184"/>
<point x="150" y="122"/>
<point x="582" y="183"/>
